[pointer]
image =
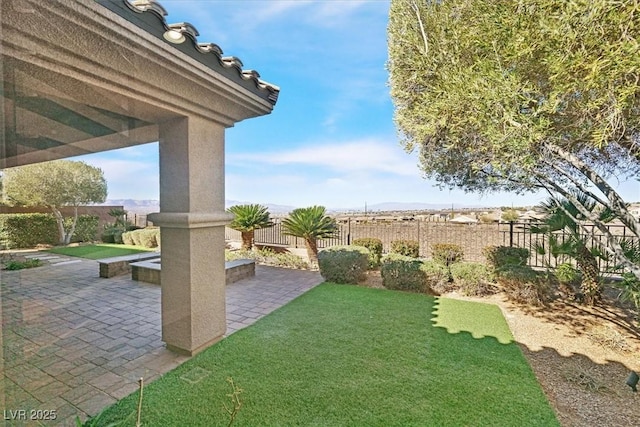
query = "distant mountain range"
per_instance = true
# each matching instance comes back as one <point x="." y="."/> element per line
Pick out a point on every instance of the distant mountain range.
<point x="148" y="206"/>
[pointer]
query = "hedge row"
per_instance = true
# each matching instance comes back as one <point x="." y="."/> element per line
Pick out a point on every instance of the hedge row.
<point x="29" y="230"/>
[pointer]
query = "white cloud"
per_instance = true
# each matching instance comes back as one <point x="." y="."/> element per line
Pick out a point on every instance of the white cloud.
<point x="371" y="155"/>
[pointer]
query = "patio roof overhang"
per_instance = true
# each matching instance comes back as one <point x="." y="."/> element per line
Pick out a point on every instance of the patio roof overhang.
<point x="83" y="76"/>
<point x="80" y="77"/>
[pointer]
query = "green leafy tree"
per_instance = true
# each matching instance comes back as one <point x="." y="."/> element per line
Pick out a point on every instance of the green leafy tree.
<point x="573" y="242"/>
<point x="518" y="96"/>
<point x="54" y="185"/>
<point x="247" y="219"/>
<point x="310" y="224"/>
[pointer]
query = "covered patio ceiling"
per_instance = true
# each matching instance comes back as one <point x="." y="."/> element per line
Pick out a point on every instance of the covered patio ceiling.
<point x="80" y="77"/>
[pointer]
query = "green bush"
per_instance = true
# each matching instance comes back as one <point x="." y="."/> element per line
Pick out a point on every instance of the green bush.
<point x="472" y="278"/>
<point x="86" y="228"/>
<point x="447" y="253"/>
<point x="499" y="257"/>
<point x="523" y="284"/>
<point x="344" y="264"/>
<point x="411" y="274"/>
<point x="375" y="248"/>
<point x="409" y="248"/>
<point x="27" y="230"/>
<point x="630" y="289"/>
<point x="567" y="274"/>
<point x="19" y="265"/>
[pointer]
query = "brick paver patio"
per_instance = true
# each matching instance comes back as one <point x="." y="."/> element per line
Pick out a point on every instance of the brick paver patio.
<point x="74" y="343"/>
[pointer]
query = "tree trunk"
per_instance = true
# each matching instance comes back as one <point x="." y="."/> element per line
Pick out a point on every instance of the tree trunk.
<point x="247" y="240"/>
<point x="72" y="230"/>
<point x="590" y="275"/>
<point x="312" y="250"/>
<point x="60" y="224"/>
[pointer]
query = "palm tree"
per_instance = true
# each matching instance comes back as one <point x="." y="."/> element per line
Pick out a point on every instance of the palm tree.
<point x="311" y="224"/>
<point x="247" y="219"/>
<point x="562" y="215"/>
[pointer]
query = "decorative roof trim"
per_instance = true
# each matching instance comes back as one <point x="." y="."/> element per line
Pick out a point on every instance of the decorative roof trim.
<point x="209" y="54"/>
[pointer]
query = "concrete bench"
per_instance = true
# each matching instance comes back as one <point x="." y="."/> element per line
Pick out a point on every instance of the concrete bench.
<point x="149" y="270"/>
<point x="114" y="266"/>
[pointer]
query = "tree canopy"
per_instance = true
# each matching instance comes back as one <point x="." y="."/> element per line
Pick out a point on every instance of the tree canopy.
<point x="55" y="184"/>
<point x="521" y="95"/>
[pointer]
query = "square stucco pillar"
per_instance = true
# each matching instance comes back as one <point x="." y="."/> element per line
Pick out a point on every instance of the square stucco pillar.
<point x="192" y="220"/>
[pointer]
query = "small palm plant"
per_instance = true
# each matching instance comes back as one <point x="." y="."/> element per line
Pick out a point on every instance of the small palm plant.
<point x="247" y="219"/>
<point x="310" y="224"/>
<point x="563" y="215"/>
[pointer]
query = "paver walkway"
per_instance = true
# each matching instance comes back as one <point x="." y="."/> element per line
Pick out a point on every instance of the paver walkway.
<point x="74" y="342"/>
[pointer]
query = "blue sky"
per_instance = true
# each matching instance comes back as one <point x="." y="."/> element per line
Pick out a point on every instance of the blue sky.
<point x="331" y="139"/>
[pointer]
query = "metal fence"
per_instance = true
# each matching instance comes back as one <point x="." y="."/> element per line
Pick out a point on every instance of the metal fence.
<point x="473" y="238"/>
<point x="520" y="235"/>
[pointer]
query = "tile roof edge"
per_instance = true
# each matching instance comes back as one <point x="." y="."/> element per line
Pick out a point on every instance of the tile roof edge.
<point x="270" y="91"/>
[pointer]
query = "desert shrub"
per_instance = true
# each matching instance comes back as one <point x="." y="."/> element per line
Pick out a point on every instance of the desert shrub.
<point x="268" y="257"/>
<point x="411" y="274"/>
<point x="472" y="278"/>
<point x="344" y="264"/>
<point x="499" y="257"/>
<point x="145" y="237"/>
<point x="374" y="246"/>
<point x="523" y="284"/>
<point x="447" y="253"/>
<point x="27" y="230"/>
<point x="410" y="248"/>
<point x="436" y="274"/>
<point x="148" y="237"/>
<point x="127" y="239"/>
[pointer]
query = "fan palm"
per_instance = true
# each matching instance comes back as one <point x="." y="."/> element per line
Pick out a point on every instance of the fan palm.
<point x="310" y="224"/>
<point x="247" y="219"/>
<point x="562" y="215"/>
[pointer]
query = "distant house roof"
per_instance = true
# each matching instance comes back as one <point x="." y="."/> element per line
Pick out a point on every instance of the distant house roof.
<point x="150" y="16"/>
<point x="462" y="219"/>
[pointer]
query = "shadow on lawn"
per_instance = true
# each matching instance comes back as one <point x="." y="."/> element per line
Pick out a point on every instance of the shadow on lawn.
<point x="582" y="391"/>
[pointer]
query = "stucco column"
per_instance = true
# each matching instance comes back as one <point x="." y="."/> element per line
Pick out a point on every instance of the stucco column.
<point x="192" y="220"/>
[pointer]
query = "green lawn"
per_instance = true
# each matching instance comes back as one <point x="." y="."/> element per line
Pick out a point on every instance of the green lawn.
<point x="103" y="250"/>
<point x="347" y="355"/>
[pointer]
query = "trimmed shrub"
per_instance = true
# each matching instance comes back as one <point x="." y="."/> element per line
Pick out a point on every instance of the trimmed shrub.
<point x="501" y="256"/>
<point x="344" y="264"/>
<point x="27" y="230"/>
<point x="473" y="278"/>
<point x="145" y="237"/>
<point x="268" y="257"/>
<point x="127" y="239"/>
<point x="375" y="248"/>
<point x="410" y="274"/>
<point x="410" y="248"/>
<point x="523" y="284"/>
<point x="447" y="253"/>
